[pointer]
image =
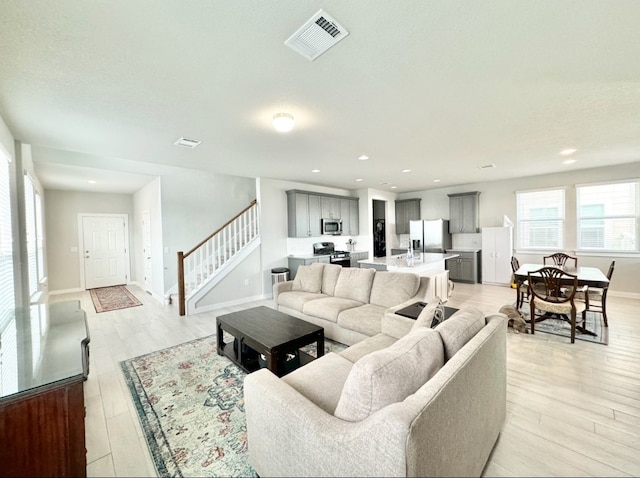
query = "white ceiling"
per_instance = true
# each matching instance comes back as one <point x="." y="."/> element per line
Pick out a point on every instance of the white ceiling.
<point x="439" y="87"/>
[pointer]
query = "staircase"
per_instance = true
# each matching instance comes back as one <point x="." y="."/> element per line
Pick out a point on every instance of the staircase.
<point x="201" y="268"/>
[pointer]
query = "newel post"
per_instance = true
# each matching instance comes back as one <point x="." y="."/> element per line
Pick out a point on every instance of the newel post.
<point x="181" y="302"/>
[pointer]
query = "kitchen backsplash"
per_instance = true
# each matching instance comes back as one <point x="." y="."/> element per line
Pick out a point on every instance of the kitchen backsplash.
<point x="466" y="241"/>
<point x="305" y="245"/>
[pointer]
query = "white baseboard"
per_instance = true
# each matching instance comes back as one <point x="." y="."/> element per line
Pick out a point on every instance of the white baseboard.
<point x="231" y="303"/>
<point x="65" y="291"/>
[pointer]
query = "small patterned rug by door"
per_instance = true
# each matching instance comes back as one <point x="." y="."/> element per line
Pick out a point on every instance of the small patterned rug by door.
<point x="113" y="298"/>
<point x="190" y="404"/>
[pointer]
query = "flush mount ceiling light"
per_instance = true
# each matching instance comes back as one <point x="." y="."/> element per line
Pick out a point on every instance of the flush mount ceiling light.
<point x="188" y="143"/>
<point x="568" y="152"/>
<point x="283" y="122"/>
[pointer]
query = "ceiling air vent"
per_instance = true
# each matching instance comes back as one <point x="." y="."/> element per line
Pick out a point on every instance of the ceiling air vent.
<point x="487" y="166"/>
<point x="187" y="143"/>
<point x="316" y="36"/>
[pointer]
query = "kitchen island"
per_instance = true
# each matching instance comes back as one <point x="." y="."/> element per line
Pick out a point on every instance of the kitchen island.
<point x="425" y="264"/>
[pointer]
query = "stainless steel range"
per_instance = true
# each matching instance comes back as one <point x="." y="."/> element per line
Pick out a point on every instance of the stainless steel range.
<point x="342" y="258"/>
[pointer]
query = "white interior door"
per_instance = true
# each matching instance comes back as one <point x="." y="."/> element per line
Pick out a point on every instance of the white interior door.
<point x="146" y="250"/>
<point x="104" y="251"/>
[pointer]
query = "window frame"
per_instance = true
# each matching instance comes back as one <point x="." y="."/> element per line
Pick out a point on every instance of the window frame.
<point x="560" y="217"/>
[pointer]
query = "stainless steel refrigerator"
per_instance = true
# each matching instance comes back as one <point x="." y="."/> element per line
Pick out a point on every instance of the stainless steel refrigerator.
<point x="430" y="235"/>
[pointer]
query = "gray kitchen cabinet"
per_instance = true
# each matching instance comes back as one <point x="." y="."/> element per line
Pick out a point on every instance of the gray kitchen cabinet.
<point x="464" y="212"/>
<point x="350" y="216"/>
<point x="397" y="252"/>
<point x="304" y="214"/>
<point x="463" y="268"/>
<point x="406" y="210"/>
<point x="305" y="210"/>
<point x="295" y="262"/>
<point x="358" y="256"/>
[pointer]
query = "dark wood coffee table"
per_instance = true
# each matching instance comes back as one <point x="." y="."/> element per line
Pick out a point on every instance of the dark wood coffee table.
<point x="268" y="332"/>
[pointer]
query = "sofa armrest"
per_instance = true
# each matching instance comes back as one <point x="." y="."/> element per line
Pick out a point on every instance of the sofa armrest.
<point x="397" y="325"/>
<point x="288" y="435"/>
<point x="280" y="287"/>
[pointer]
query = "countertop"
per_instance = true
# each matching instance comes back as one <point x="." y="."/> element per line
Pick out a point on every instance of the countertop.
<point x="400" y="260"/>
<point x="464" y="249"/>
<point x="312" y="255"/>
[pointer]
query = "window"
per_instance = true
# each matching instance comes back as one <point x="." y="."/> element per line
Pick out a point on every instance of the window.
<point x="540" y="219"/>
<point x="608" y="216"/>
<point x="7" y="294"/>
<point x="32" y="242"/>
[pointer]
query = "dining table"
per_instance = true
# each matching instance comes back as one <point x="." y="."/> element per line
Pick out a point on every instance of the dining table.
<point x="587" y="276"/>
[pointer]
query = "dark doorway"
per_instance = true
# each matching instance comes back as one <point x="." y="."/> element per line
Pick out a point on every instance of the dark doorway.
<point x="379" y="229"/>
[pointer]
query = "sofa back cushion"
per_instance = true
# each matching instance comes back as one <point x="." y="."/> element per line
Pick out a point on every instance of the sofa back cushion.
<point x="458" y="329"/>
<point x="390" y="375"/>
<point x="393" y="288"/>
<point x="355" y="283"/>
<point x="308" y="279"/>
<point x="330" y="276"/>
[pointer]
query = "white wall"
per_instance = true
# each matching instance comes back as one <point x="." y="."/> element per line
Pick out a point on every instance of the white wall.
<point x="194" y="204"/>
<point x="61" y="218"/>
<point x="498" y="198"/>
<point x="148" y="199"/>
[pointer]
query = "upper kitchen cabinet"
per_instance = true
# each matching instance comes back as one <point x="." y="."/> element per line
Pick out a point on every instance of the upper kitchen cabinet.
<point x="306" y="209"/>
<point x="406" y="210"/>
<point x="350" y="216"/>
<point x="304" y="214"/>
<point x="464" y="212"/>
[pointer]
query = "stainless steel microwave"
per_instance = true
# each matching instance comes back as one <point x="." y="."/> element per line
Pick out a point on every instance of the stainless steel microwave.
<point x="331" y="226"/>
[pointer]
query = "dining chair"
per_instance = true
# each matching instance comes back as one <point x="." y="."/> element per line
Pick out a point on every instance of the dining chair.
<point x="597" y="295"/>
<point x="560" y="259"/>
<point x="547" y="295"/>
<point x="522" y="286"/>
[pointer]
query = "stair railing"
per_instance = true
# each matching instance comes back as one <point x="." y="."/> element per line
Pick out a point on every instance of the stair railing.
<point x="202" y="261"/>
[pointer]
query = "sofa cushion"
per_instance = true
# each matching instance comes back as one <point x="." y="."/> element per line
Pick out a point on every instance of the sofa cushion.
<point x="328" y="307"/>
<point x="355" y="283"/>
<point x="308" y="279"/>
<point x="330" y="276"/>
<point x="458" y="329"/>
<point x="393" y="288"/>
<point x="366" y="319"/>
<point x="365" y="347"/>
<point x="296" y="299"/>
<point x="390" y="375"/>
<point x="321" y="380"/>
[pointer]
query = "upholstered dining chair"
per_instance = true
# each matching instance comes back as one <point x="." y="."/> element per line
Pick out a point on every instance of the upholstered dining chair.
<point x="596" y="298"/>
<point x="560" y="259"/>
<point x="548" y="296"/>
<point x="522" y="286"/>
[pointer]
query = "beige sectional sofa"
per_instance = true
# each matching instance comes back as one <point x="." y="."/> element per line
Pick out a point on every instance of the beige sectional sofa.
<point x="349" y="303"/>
<point x="409" y="401"/>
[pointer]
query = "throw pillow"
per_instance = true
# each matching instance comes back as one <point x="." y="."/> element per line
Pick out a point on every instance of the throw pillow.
<point x="438" y="315"/>
<point x="308" y="279"/>
<point x="431" y="315"/>
<point x="390" y="375"/>
<point x="458" y="329"/>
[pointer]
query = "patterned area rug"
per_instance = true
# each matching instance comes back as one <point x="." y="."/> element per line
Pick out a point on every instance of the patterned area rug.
<point x="190" y="404"/>
<point x="113" y="298"/>
<point x="563" y="328"/>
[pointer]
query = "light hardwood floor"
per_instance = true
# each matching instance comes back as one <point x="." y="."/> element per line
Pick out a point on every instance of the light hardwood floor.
<point x="572" y="409"/>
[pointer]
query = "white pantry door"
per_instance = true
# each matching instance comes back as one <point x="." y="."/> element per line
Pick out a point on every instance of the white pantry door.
<point x="104" y="251"/>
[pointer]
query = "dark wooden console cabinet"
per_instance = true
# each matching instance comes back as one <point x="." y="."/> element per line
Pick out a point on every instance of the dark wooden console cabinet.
<point x="42" y="409"/>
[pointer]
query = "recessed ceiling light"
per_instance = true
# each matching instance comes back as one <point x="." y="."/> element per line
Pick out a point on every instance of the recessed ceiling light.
<point x="315" y="170"/>
<point x="364" y="157"/>
<point x="393" y="187"/>
<point x="283" y="122"/>
<point x="406" y="170"/>
<point x="188" y="142"/>
<point x="436" y="180"/>
<point x="358" y="180"/>
<point x="569" y="161"/>
<point x="91" y="181"/>
<point x="568" y="152"/>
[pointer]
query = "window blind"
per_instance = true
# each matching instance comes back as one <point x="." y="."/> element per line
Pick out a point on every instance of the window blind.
<point x="39" y="237"/>
<point x="608" y="216"/>
<point x="7" y="295"/>
<point x="540" y="219"/>
<point x="30" y="223"/>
